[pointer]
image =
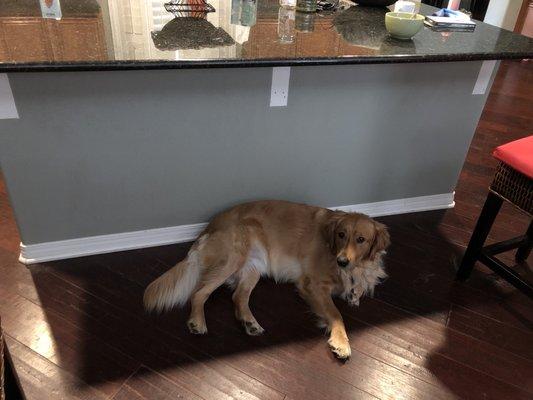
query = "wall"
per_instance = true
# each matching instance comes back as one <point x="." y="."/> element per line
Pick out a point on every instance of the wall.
<point x="503" y="13"/>
<point x="107" y="152"/>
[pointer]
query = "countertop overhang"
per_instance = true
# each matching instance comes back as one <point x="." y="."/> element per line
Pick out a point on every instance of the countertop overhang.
<point x="256" y="38"/>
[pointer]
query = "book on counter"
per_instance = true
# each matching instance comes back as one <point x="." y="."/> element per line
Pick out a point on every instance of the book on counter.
<point x="450" y="20"/>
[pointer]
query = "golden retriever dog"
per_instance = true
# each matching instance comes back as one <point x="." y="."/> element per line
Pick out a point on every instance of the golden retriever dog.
<point x="325" y="253"/>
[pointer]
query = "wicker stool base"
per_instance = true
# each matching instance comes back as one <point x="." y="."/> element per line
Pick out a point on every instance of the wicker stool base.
<point x="514" y="187"/>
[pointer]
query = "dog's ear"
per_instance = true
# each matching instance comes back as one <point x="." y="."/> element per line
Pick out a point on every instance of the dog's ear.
<point x="381" y="240"/>
<point x="329" y="229"/>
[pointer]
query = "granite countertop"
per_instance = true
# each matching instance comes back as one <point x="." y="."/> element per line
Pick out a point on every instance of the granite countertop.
<point x="112" y="35"/>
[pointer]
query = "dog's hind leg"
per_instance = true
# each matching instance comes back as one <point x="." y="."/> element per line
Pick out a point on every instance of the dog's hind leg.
<point x="241" y="297"/>
<point x="220" y="258"/>
<point x="196" y="322"/>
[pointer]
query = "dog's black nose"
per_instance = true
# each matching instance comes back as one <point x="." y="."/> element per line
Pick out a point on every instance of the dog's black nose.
<point x="342" y="261"/>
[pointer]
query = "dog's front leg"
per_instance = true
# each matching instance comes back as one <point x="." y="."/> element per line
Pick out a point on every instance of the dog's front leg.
<point x="338" y="339"/>
<point x="322" y="304"/>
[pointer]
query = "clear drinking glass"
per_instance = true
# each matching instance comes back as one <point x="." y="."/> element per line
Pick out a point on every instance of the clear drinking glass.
<point x="286" y="25"/>
<point x="305" y="21"/>
<point x="306" y="5"/>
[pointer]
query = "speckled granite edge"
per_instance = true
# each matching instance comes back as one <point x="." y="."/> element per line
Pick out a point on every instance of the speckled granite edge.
<point x="203" y="64"/>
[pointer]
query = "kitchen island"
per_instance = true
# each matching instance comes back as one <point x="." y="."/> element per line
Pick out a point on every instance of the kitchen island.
<point x="124" y="127"/>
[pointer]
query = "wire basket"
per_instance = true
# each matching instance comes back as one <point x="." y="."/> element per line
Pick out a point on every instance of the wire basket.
<point x="188" y="8"/>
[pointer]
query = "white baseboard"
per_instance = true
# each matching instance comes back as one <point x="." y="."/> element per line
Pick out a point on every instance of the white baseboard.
<point x="58" y="250"/>
<point x="402" y="206"/>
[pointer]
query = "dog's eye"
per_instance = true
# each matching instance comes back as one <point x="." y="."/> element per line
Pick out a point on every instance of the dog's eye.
<point x="360" y="239"/>
<point x="341" y="235"/>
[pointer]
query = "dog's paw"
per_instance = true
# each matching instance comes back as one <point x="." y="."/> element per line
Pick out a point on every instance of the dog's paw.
<point x="253" y="328"/>
<point x="196" y="328"/>
<point x="340" y="348"/>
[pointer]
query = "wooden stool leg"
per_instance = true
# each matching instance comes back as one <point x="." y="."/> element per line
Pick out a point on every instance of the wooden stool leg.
<point x="525" y="248"/>
<point x="481" y="231"/>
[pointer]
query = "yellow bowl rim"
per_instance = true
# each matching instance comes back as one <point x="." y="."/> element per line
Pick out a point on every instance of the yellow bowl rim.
<point x="403" y="16"/>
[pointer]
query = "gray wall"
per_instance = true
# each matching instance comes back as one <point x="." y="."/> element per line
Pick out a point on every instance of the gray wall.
<point x="107" y="152"/>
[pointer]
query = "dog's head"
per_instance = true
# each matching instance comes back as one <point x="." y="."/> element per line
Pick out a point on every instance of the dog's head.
<point x="355" y="237"/>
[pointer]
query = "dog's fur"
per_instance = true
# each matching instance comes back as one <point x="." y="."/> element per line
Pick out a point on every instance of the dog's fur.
<point x="325" y="253"/>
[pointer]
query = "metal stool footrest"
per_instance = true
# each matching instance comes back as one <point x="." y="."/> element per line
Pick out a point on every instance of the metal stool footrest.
<point x="506" y="273"/>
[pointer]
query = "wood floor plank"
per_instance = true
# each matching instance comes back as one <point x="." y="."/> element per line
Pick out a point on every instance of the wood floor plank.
<point x="426" y="334"/>
<point x="61" y="342"/>
<point x="104" y="321"/>
<point x="44" y="380"/>
<point x="435" y="335"/>
<point x="418" y="300"/>
<point x="146" y="384"/>
<point x="417" y="285"/>
<point x="423" y="246"/>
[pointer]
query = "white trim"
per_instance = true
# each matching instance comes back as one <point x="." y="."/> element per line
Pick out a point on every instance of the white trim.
<point x="8" y="108"/>
<point x="279" y="90"/>
<point x="49" y="251"/>
<point x="483" y="78"/>
<point x="61" y="249"/>
<point x="402" y="206"/>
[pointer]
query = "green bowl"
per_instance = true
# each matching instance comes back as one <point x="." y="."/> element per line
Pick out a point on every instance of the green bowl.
<point x="402" y="25"/>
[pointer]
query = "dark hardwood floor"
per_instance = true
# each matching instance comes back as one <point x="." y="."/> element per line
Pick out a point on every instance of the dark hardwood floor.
<point x="76" y="328"/>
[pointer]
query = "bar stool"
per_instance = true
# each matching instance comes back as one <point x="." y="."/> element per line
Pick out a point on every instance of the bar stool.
<point x="513" y="182"/>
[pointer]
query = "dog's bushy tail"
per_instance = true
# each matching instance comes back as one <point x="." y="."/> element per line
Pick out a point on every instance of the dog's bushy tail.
<point x="175" y="287"/>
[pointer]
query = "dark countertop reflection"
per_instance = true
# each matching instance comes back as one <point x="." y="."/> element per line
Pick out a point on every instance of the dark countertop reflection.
<point x="110" y="34"/>
<point x="31" y="8"/>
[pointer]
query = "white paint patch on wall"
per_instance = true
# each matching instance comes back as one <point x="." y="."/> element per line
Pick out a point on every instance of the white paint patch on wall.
<point x="279" y="91"/>
<point x="8" y="109"/>
<point x="483" y="78"/>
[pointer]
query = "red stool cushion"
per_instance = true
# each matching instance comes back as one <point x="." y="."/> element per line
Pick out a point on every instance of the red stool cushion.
<point x="518" y="155"/>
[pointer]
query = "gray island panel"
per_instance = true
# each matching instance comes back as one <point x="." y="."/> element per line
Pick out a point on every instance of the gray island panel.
<point x="98" y="153"/>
